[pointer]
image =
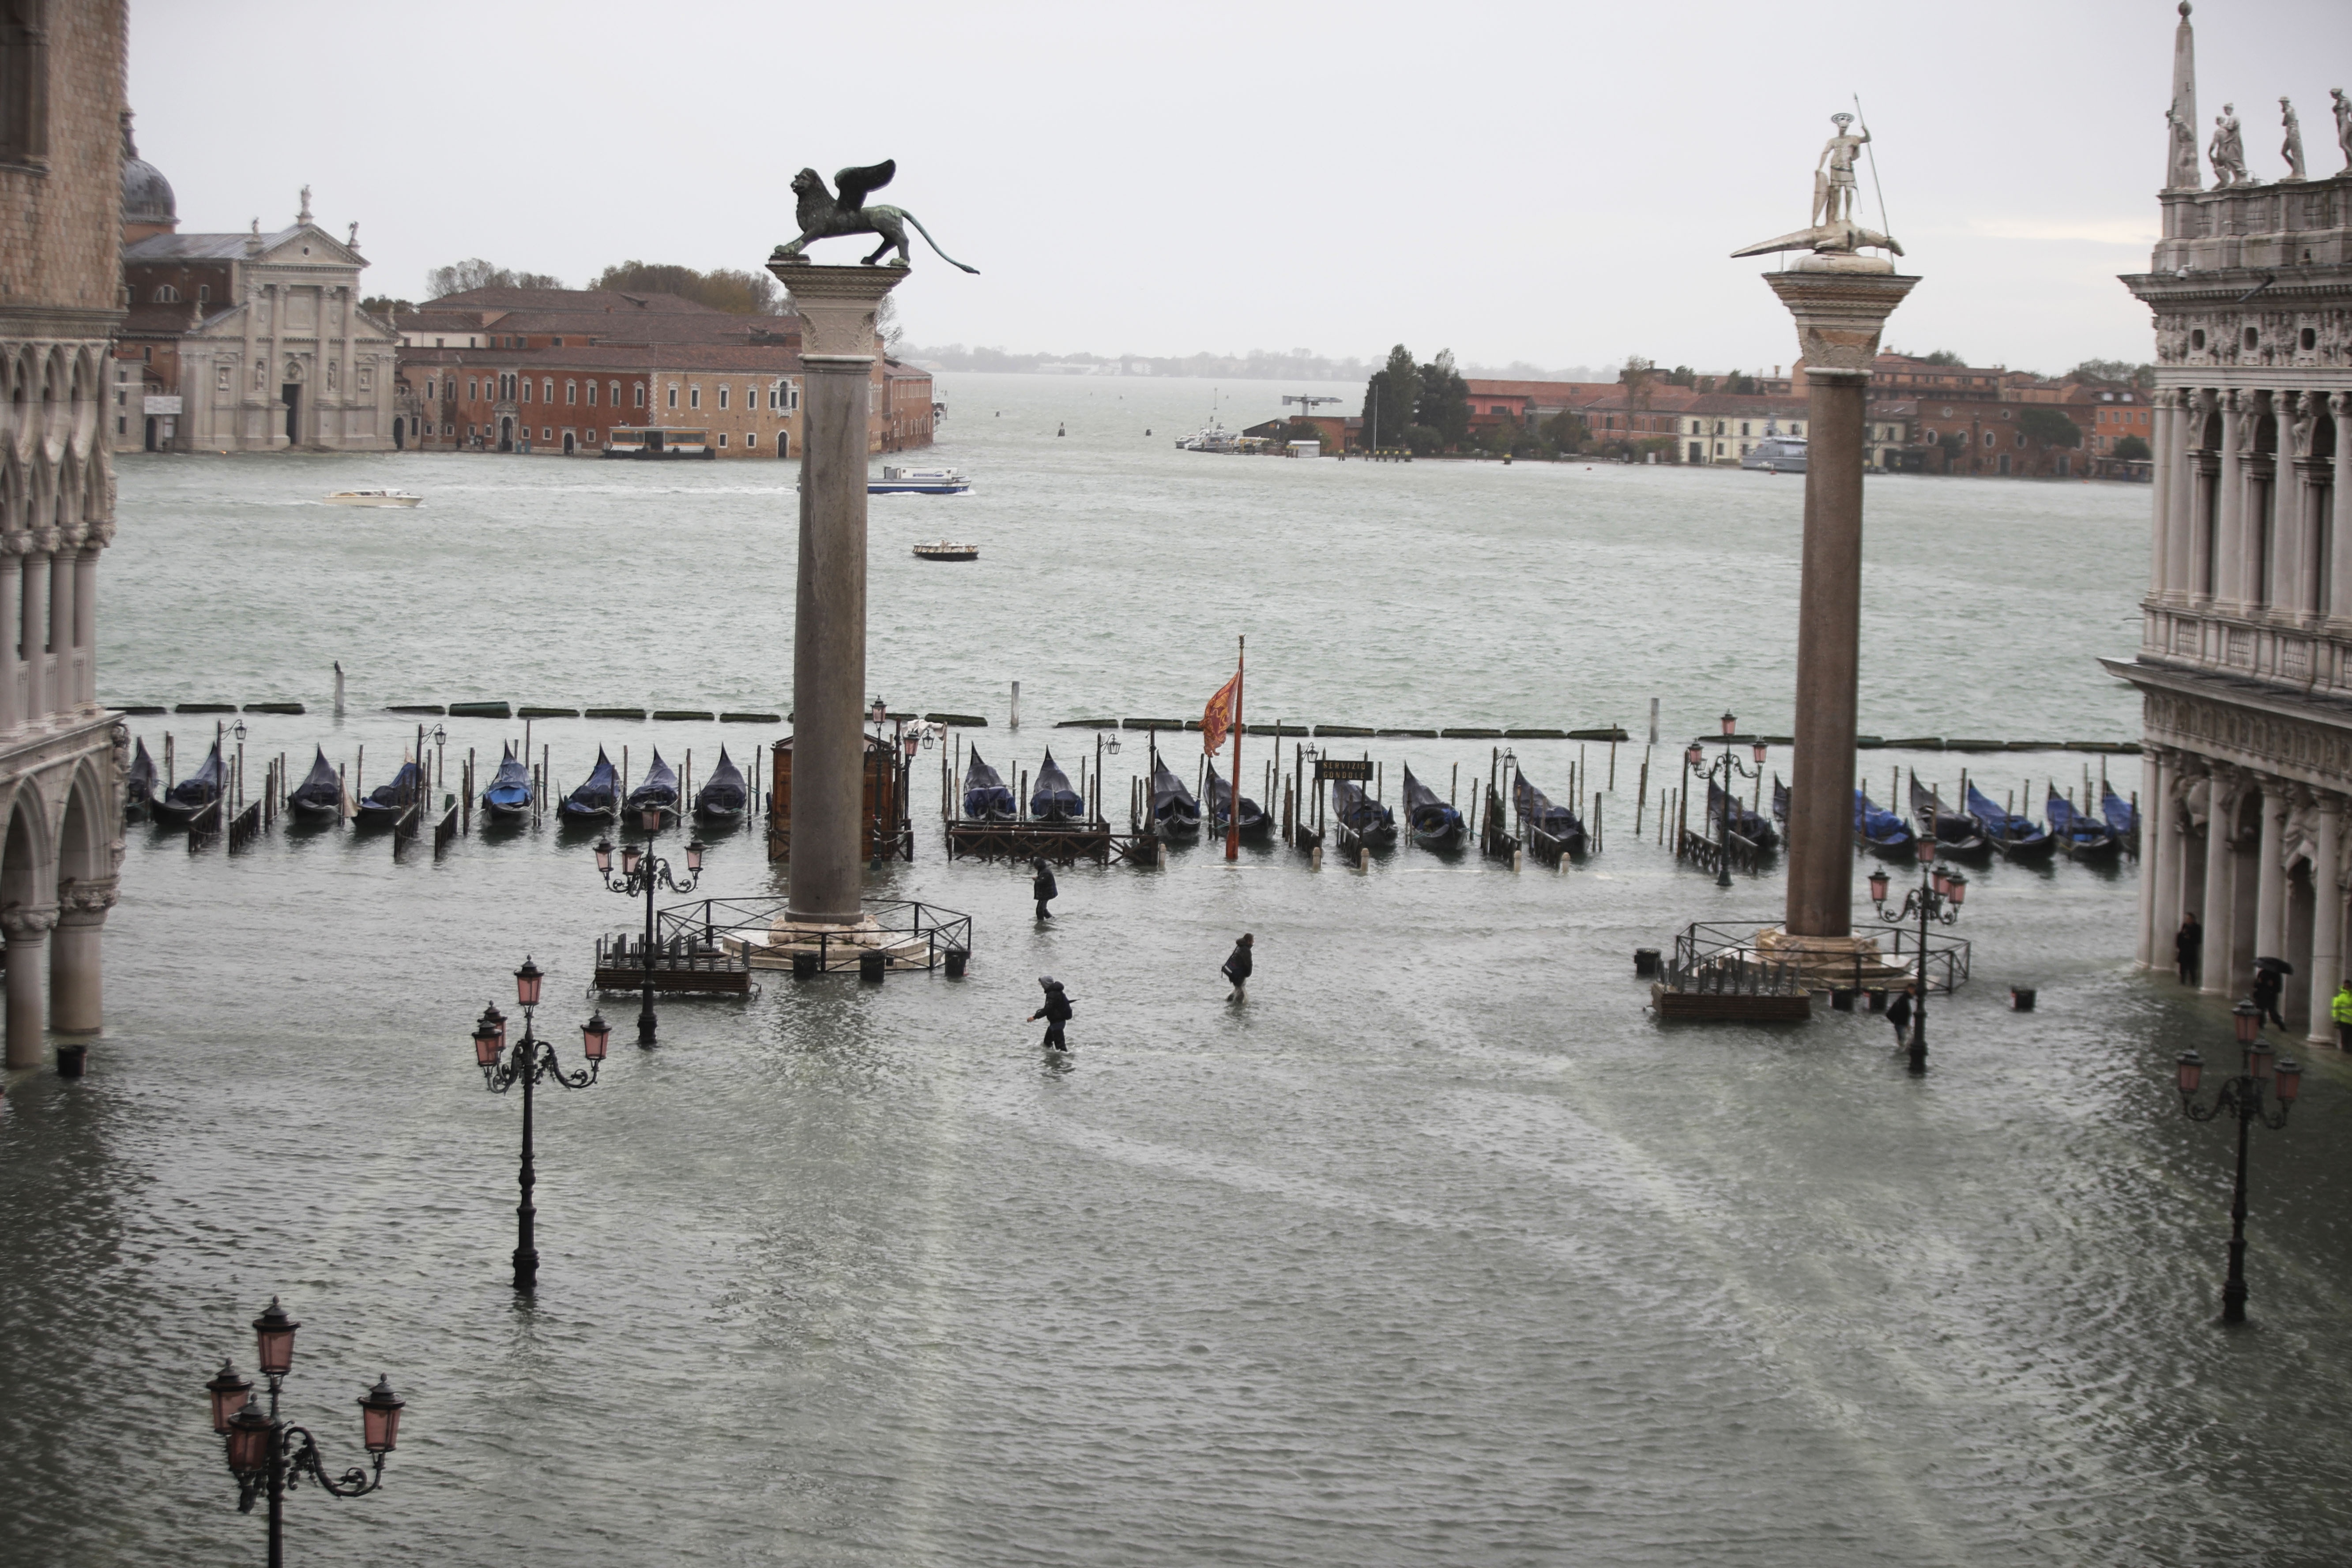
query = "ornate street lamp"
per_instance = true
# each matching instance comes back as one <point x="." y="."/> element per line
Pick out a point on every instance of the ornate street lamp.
<point x="2261" y="1075"/>
<point x="1940" y="895"/>
<point x="1732" y="770"/>
<point x="268" y="1455"/>
<point x="531" y="1059"/>
<point x="641" y="872"/>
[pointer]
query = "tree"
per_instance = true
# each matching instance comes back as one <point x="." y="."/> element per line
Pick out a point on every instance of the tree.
<point x="1681" y="375"/>
<point x="384" y="305"/>
<point x="1635" y="375"/>
<point x="1942" y="356"/>
<point x="2048" y="426"/>
<point x="729" y="289"/>
<point x="460" y="276"/>
<point x="2132" y="450"/>
<point x="1739" y="382"/>
<point x="1389" y="399"/>
<point x="2139" y="376"/>
<point x="1568" y="431"/>
<point x="1954" y="443"/>
<point x="1444" y="402"/>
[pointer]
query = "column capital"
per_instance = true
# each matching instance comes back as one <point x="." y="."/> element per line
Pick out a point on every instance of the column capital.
<point x="2340" y="404"/>
<point x="836" y="305"/>
<point x="1839" y="315"/>
<point x="84" y="902"/>
<point x="27" y="922"/>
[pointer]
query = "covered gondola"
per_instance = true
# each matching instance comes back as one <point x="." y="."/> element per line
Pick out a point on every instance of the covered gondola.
<point x="1744" y="823"/>
<point x="1372" y="823"/>
<point x="659" y="790"/>
<point x="1433" y="822"/>
<point x="385" y="803"/>
<point x="985" y="798"/>
<point x="320" y="796"/>
<point x="1958" y="835"/>
<point x="598" y="798"/>
<point x="724" y="798"/>
<point x="1053" y="800"/>
<point x="509" y="798"/>
<point x="2013" y="836"/>
<point x="138" y="789"/>
<point x="2080" y="834"/>
<point x="1175" y="810"/>
<point x="1537" y="810"/>
<point x="1254" y="819"/>
<point x="1779" y="802"/>
<point x="2122" y="817"/>
<point x="183" y="801"/>
<point x="1880" y="831"/>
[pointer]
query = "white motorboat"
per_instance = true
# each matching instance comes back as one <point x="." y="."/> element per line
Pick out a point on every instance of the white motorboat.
<point x="1776" y="455"/>
<point x="898" y="481"/>
<point x="374" y="498"/>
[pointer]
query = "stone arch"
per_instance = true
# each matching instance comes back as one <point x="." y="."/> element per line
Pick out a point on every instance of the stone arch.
<point x="27" y="850"/>
<point x="84" y="851"/>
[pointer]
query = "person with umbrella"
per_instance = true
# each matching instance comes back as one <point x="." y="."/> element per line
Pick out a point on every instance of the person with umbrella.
<point x="2268" y="983"/>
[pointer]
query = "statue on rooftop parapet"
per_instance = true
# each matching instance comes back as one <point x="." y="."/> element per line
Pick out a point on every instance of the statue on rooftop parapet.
<point x="1833" y="232"/>
<point x="2292" y="150"/>
<point x="2343" y="125"/>
<point x="822" y="216"/>
<point x="2227" y="151"/>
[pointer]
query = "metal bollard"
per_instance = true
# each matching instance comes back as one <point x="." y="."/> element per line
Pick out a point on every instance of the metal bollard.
<point x="872" y="964"/>
<point x="957" y="959"/>
<point x="804" y="967"/>
<point x="1645" y="961"/>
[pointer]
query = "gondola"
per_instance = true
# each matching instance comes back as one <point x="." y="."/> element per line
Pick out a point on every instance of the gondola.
<point x="2123" y="817"/>
<point x="985" y="798"/>
<point x="598" y="798"/>
<point x="1175" y="809"/>
<point x="659" y="790"/>
<point x="1053" y="800"/>
<point x="1746" y="823"/>
<point x="1535" y="809"/>
<point x="509" y="798"/>
<point x="180" y="803"/>
<point x="1435" y="823"/>
<point x="1958" y="835"/>
<point x="1779" y="802"/>
<point x="1881" y="831"/>
<point x="725" y="797"/>
<point x="138" y="789"/>
<point x="2080" y="835"/>
<point x="386" y="802"/>
<point x="1373" y="824"/>
<point x="320" y="796"/>
<point x="2013" y="836"/>
<point x="1253" y="820"/>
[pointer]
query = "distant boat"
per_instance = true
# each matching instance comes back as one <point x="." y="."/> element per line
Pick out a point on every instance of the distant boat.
<point x="659" y="790"/>
<point x="1776" y="454"/>
<point x="1175" y="810"/>
<point x="1958" y="835"/>
<point x="1254" y="819"/>
<point x="1433" y="822"/>
<point x="2123" y="819"/>
<point x="1053" y="800"/>
<point x="1362" y="815"/>
<point x="373" y="498"/>
<point x="598" y="796"/>
<point x="2015" y="837"/>
<point x="2082" y="837"/>
<point x="947" y="550"/>
<point x="385" y="803"/>
<point x="320" y="796"/>
<point x="985" y="798"/>
<point x="509" y="798"/>
<point x="184" y="800"/>
<point x="1880" y="831"/>
<point x="725" y="797"/>
<point x="1745" y="823"/>
<point x="898" y="481"/>
<point x="1537" y="810"/>
<point x="138" y="788"/>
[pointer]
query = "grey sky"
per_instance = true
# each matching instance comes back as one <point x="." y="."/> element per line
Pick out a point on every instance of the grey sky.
<point x="1554" y="183"/>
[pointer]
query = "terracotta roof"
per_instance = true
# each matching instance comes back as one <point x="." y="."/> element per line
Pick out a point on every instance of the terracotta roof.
<point x="599" y="301"/>
<point x="769" y="358"/>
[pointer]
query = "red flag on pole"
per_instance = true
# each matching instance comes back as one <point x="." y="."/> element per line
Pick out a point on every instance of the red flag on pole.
<point x="1217" y="718"/>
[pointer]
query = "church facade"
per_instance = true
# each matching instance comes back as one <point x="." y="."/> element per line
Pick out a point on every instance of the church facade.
<point x="2245" y="657"/>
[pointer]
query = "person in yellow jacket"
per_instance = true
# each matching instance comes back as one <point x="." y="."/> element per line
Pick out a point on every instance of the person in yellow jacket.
<point x="2340" y="1010"/>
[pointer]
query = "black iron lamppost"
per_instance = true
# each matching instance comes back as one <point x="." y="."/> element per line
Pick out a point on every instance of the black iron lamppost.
<point x="1938" y="897"/>
<point x="1732" y="770"/>
<point x="2242" y="1097"/>
<point x="641" y="872"/>
<point x="268" y="1455"/>
<point x="531" y="1061"/>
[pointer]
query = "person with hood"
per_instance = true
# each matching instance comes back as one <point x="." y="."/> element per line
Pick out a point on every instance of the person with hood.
<point x="1898" y="1012"/>
<point x="2267" y="986"/>
<point x="1043" y="888"/>
<point x="1237" y="967"/>
<point x="1056" y="1011"/>
<point x="2188" y="950"/>
<point x="2340" y="1009"/>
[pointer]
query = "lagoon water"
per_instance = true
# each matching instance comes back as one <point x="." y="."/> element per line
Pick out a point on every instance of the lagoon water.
<point x="1437" y="1250"/>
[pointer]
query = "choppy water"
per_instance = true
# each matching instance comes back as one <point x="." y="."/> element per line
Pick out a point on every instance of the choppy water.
<point x="1436" y="1250"/>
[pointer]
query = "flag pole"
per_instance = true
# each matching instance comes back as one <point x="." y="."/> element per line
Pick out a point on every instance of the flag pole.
<point x="1233" y="810"/>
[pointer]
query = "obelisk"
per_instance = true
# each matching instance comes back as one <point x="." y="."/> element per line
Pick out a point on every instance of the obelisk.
<point x="825" y="882"/>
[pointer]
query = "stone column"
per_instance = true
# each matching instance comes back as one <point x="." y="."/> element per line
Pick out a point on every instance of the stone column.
<point x="2163" y="568"/>
<point x="2339" y="520"/>
<point x="2285" y="558"/>
<point x="2327" y="916"/>
<point x="27" y="929"/>
<point x="57" y="676"/>
<point x="2230" y="557"/>
<point x="12" y="664"/>
<point x="275" y="378"/>
<point x="33" y="630"/>
<point x="2164" y="851"/>
<point x="1841" y="303"/>
<point x="2220" y="881"/>
<point x="2270" y="877"/>
<point x="2153" y="773"/>
<point x="836" y="306"/>
<point x="86" y="626"/>
<point x="2186" y="510"/>
<point x="74" y="969"/>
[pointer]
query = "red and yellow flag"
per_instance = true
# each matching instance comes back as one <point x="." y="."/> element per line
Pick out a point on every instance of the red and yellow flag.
<point x="1217" y="718"/>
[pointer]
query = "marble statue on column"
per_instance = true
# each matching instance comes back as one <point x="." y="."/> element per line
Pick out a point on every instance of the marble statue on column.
<point x="2227" y="150"/>
<point x="2292" y="151"/>
<point x="2343" y="125"/>
<point x="1834" y="234"/>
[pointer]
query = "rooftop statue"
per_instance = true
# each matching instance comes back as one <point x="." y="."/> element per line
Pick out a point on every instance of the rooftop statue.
<point x="1834" y="233"/>
<point x="2343" y="125"/>
<point x="2228" y="150"/>
<point x="822" y="216"/>
<point x="2293" y="149"/>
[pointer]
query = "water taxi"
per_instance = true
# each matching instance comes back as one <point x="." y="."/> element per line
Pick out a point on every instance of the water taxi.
<point x="942" y="550"/>
<point x="373" y="498"/>
<point x="898" y="481"/>
<point x="655" y="443"/>
<point x="1776" y="455"/>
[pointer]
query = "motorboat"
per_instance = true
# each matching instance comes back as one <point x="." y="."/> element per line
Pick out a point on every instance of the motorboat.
<point x="904" y="482"/>
<point x="1775" y="453"/>
<point x="374" y="498"/>
<point x="945" y="549"/>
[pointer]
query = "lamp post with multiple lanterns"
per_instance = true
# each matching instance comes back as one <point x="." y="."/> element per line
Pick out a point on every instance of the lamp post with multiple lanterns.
<point x="1732" y="769"/>
<point x="268" y="1455"/>
<point x="641" y="872"/>
<point x="2262" y="1077"/>
<point x="531" y="1059"/>
<point x="1938" y="897"/>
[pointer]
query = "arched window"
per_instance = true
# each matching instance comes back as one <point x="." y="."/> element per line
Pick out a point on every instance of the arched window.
<point x="526" y="389"/>
<point x="570" y="392"/>
<point x="591" y="395"/>
<point x="167" y="295"/>
<point x="616" y="393"/>
<point x="547" y="389"/>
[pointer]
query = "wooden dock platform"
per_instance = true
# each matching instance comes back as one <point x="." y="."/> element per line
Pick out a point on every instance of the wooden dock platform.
<point x="679" y="964"/>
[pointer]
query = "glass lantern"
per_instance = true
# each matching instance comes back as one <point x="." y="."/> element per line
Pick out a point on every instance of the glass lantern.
<point x="489" y="1040"/>
<point x="526" y="984"/>
<point x="630" y="855"/>
<point x="605" y="856"/>
<point x="1696" y="755"/>
<point x="1730" y="725"/>
<point x="249" y="1434"/>
<point x="229" y="1391"/>
<point x="380" y="1410"/>
<point x="274" y="1337"/>
<point x="693" y="855"/>
<point x="2287" y="1079"/>
<point x="2190" y="1071"/>
<point x="1878" y="885"/>
<point x="594" y="1035"/>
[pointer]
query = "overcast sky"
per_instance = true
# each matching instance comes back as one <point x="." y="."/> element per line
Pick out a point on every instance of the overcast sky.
<point x="1560" y="182"/>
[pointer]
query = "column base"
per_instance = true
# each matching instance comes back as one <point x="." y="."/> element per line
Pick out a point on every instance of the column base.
<point x="1832" y="963"/>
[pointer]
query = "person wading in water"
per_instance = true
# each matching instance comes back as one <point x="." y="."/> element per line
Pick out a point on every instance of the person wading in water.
<point x="1238" y="968"/>
<point x="1898" y="1012"/>
<point x="1055" y="1012"/>
<point x="1041" y="888"/>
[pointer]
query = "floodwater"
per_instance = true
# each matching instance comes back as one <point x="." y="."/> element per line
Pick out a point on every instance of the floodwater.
<point x="1436" y="1250"/>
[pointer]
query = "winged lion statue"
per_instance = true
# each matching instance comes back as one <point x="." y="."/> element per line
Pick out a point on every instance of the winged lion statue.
<point x="824" y="215"/>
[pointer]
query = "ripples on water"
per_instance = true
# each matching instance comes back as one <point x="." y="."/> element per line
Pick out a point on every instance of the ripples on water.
<point x="1435" y="1251"/>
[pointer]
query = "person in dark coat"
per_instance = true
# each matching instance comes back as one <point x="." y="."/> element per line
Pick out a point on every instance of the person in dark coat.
<point x="1056" y="1011"/>
<point x="1041" y="888"/>
<point x="1237" y="967"/>
<point x="2188" y="950"/>
<point x="2267" y="986"/>
<point x="1898" y="1012"/>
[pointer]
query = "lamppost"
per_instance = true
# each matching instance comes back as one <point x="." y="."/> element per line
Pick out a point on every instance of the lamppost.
<point x="1940" y="895"/>
<point x="1732" y="770"/>
<point x="268" y="1455"/>
<point x="641" y="871"/>
<point x="2242" y="1097"/>
<point x="531" y="1061"/>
